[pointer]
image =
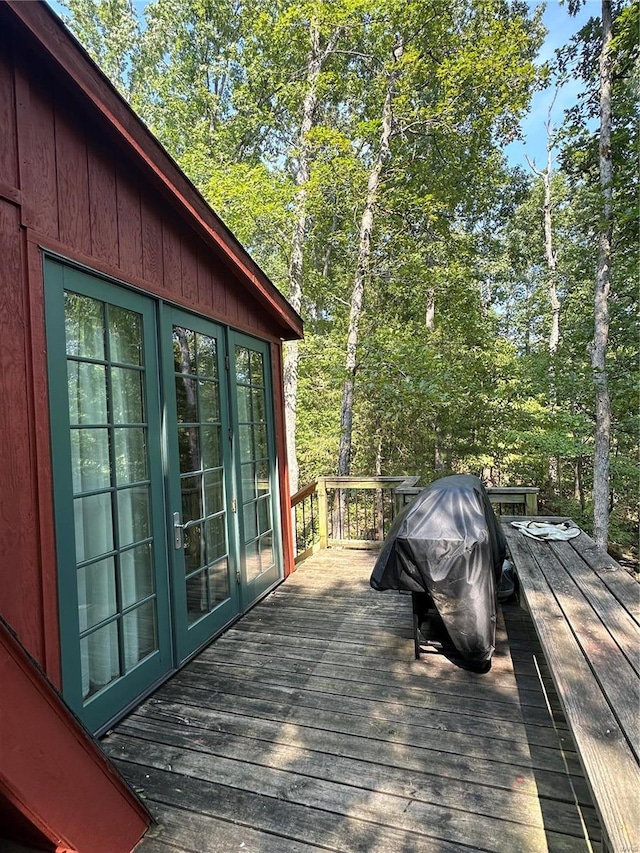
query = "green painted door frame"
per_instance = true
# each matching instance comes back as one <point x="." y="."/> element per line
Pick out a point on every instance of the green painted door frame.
<point x="108" y="492"/>
<point x="165" y="484"/>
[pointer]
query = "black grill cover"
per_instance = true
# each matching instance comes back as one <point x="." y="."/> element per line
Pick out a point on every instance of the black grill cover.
<point x="448" y="543"/>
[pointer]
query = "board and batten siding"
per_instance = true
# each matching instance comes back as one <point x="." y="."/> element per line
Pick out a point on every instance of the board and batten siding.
<point x="72" y="184"/>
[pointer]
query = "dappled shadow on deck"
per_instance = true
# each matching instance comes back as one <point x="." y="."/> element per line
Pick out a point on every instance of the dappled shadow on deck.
<point x="310" y="726"/>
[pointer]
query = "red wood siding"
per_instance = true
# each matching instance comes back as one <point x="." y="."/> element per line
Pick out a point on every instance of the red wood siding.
<point x="8" y="139"/>
<point x="82" y="199"/>
<point x="21" y="598"/>
<point x="70" y="184"/>
<point x="74" y="795"/>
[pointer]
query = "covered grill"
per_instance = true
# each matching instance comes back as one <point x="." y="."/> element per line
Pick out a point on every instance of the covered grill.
<point x="448" y="544"/>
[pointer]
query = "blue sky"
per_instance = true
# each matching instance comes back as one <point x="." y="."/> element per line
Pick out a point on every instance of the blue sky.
<point x="561" y="26"/>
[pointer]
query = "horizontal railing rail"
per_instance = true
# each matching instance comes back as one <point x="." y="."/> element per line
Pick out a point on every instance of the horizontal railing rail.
<point x="306" y="526"/>
<point x="357" y="512"/>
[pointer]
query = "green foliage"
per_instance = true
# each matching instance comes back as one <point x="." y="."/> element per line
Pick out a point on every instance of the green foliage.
<point x="454" y="372"/>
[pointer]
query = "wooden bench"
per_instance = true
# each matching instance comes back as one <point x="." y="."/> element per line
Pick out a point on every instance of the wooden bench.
<point x="586" y="611"/>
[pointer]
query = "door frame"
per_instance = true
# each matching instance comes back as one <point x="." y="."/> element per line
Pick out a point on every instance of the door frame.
<point x="96" y="712"/>
<point x="119" y="697"/>
<point x="252" y="591"/>
<point x="189" y="639"/>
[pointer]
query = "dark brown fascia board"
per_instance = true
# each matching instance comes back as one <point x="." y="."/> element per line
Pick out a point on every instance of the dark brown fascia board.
<point x="69" y="55"/>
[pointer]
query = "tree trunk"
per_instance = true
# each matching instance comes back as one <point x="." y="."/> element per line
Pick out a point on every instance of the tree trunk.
<point x="552" y="290"/>
<point x="554" y="302"/>
<point x="315" y="59"/>
<point x="430" y="313"/>
<point x="362" y="267"/>
<point x="603" y="284"/>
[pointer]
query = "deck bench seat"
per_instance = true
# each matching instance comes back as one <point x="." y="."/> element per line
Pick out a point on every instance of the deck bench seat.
<point x="586" y="611"/>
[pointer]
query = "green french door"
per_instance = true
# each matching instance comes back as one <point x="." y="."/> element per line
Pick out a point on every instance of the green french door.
<point x="113" y="595"/>
<point x="205" y="556"/>
<point x="255" y="469"/>
<point x="165" y="485"/>
<point x="222" y="477"/>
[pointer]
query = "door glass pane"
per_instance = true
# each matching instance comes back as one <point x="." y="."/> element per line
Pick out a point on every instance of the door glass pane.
<point x="186" y="399"/>
<point x="264" y="515"/>
<point x="214" y="491"/>
<point x="257" y="399"/>
<point x="109" y="513"/>
<point x="211" y="447"/>
<point x="255" y="465"/>
<point x="242" y="366"/>
<point x="193" y="548"/>
<point x="266" y="552"/>
<point x="130" y="452"/>
<point x="90" y="461"/>
<point x="127" y="391"/>
<point x="184" y="350"/>
<point x="257" y="368"/>
<point x="96" y="592"/>
<point x="207" y="356"/>
<point x="252" y="560"/>
<point x="84" y="326"/>
<point x="216" y="538"/>
<point x="136" y="574"/>
<point x="125" y="336"/>
<point x="134" y="510"/>
<point x="246" y="443"/>
<point x="93" y="526"/>
<point x="203" y="503"/>
<point x="219" y="582"/>
<point x="189" y="449"/>
<point x="248" y="482"/>
<point x="260" y="436"/>
<point x="87" y="389"/>
<point x="250" y="521"/>
<point x="197" y="598"/>
<point x="139" y="634"/>
<point x="244" y="404"/>
<point x="209" y="404"/>
<point x="191" y="488"/>
<point x="262" y="477"/>
<point x="100" y="659"/>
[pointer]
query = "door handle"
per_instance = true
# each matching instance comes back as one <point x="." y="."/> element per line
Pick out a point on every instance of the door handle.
<point x="177" y="531"/>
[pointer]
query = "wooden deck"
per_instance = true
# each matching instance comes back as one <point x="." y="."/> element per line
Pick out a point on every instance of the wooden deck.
<point x="309" y="725"/>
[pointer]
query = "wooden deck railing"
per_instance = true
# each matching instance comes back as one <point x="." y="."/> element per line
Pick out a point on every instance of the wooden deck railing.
<point x="356" y="512"/>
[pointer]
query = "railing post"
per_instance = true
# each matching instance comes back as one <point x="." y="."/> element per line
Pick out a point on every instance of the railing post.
<point x="531" y="503"/>
<point x="323" y="518"/>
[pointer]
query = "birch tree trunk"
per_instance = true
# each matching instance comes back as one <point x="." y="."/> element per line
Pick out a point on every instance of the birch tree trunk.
<point x="361" y="274"/>
<point x="315" y="60"/>
<point x="552" y="290"/>
<point x="603" y="284"/>
<point x="430" y="313"/>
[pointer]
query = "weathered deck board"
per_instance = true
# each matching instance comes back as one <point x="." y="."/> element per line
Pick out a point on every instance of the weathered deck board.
<point x="309" y="725"/>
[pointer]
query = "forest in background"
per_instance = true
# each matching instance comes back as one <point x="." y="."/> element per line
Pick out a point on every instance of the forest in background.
<point x="356" y="148"/>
